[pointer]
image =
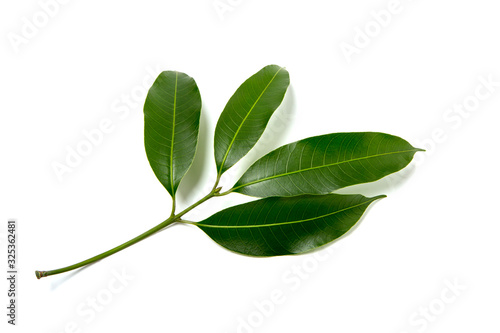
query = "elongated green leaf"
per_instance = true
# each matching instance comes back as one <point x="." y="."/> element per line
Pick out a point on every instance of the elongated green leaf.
<point x="322" y="164"/>
<point x="171" y="121"/>
<point x="280" y="226"/>
<point x="247" y="113"/>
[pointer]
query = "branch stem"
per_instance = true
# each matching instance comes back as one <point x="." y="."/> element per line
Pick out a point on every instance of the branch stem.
<point x="41" y="274"/>
<point x="172" y="219"/>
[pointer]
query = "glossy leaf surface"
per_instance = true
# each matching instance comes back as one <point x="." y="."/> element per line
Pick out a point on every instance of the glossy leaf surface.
<point x="171" y="122"/>
<point x="280" y="226"/>
<point x="322" y="164"/>
<point x="247" y="113"/>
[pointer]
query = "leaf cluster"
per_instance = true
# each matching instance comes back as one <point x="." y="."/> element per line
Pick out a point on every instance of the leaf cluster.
<point x="297" y="211"/>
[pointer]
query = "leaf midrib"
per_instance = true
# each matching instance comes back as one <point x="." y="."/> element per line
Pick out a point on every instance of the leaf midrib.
<point x="288" y="222"/>
<point x="244" y="119"/>
<point x="173" y="136"/>
<point x="322" y="166"/>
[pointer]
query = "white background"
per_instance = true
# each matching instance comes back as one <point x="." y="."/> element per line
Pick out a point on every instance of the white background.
<point x="438" y="226"/>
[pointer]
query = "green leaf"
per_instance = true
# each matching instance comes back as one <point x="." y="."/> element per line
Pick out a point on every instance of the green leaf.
<point x="280" y="226"/>
<point x="322" y="164"/>
<point x="171" y="121"/>
<point x="246" y="115"/>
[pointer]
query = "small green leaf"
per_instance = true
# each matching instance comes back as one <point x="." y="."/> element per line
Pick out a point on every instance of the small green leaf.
<point x="280" y="226"/>
<point x="246" y="115"/>
<point x="171" y="122"/>
<point x="322" y="164"/>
